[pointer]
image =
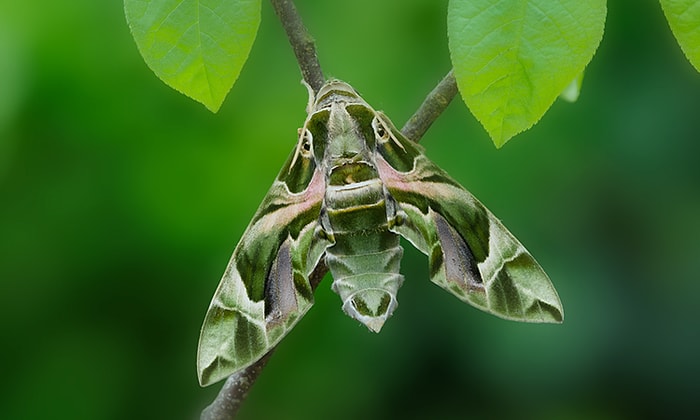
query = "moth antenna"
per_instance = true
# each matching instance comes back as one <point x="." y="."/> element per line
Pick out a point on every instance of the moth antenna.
<point x="298" y="149"/>
<point x="301" y="132"/>
<point x="312" y="96"/>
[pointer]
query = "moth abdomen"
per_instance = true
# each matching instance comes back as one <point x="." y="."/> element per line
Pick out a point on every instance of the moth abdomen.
<point x="365" y="261"/>
<point x="357" y="218"/>
<point x="369" y="297"/>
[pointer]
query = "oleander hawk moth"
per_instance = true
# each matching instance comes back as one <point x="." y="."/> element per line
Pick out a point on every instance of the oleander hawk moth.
<point x="351" y="187"/>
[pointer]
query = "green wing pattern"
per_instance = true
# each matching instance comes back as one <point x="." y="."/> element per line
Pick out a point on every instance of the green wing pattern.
<point x="472" y="255"/>
<point x="265" y="289"/>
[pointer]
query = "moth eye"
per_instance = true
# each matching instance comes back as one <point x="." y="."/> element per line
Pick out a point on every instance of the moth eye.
<point x="306" y="138"/>
<point x="380" y="131"/>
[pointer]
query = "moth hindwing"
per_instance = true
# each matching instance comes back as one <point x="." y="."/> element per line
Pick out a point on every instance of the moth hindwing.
<point x="352" y="185"/>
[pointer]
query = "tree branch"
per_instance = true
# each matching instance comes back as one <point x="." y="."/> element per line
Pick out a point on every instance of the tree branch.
<point x="235" y="391"/>
<point x="431" y="108"/>
<point x="302" y="43"/>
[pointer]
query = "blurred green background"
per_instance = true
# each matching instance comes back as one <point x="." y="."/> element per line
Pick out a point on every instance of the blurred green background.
<point x="121" y="201"/>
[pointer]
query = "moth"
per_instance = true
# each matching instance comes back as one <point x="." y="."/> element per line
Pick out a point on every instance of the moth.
<point x="352" y="186"/>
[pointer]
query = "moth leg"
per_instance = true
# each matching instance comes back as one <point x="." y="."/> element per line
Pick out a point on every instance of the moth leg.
<point x="395" y="215"/>
<point x="323" y="230"/>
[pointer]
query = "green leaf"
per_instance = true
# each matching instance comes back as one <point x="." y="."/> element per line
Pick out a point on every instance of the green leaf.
<point x="197" y="47"/>
<point x="684" y="18"/>
<point x="513" y="58"/>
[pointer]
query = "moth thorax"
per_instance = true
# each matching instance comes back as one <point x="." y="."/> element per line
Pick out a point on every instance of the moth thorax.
<point x="351" y="172"/>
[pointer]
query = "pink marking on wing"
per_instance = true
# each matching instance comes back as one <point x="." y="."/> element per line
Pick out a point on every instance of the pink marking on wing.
<point x="299" y="203"/>
<point x="313" y="193"/>
<point x="392" y="177"/>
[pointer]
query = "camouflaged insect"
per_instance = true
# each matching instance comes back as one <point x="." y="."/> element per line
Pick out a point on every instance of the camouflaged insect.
<point x="352" y="186"/>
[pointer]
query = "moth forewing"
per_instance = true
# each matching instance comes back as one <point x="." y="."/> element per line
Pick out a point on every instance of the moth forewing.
<point x="265" y="289"/>
<point x="222" y="349"/>
<point x="518" y="288"/>
<point x="471" y="254"/>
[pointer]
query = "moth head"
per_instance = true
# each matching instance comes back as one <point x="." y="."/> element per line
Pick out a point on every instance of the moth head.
<point x="335" y="91"/>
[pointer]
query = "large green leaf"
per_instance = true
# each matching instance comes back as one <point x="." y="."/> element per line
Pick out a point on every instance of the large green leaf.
<point x="512" y="58"/>
<point x="198" y="47"/>
<point x="684" y="18"/>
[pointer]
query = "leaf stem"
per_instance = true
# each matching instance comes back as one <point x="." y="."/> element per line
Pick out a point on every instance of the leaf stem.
<point x="431" y="108"/>
<point x="302" y="43"/>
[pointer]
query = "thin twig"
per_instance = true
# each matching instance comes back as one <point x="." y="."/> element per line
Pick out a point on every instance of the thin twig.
<point x="431" y="108"/>
<point x="302" y="43"/>
<point x="235" y="391"/>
